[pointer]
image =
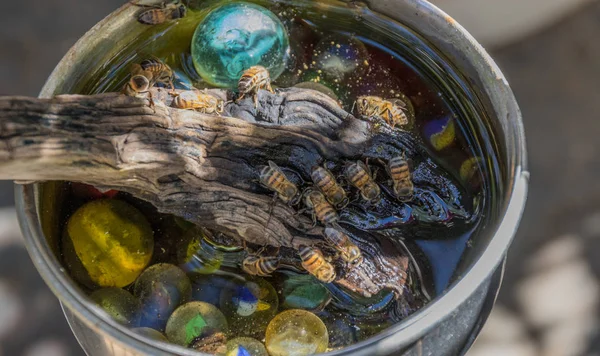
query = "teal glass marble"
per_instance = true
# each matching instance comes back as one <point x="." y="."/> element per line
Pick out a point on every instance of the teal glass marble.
<point x="235" y="37"/>
<point x="303" y="292"/>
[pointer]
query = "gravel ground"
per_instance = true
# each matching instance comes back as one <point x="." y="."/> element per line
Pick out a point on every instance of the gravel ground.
<point x="550" y="302"/>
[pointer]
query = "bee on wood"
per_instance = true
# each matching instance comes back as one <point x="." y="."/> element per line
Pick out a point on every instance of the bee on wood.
<point x="399" y="171"/>
<point x="260" y="266"/>
<point x="327" y="183"/>
<point x="139" y="84"/>
<point x="359" y="175"/>
<point x="159" y="14"/>
<point x="273" y="178"/>
<point x="252" y="81"/>
<point x="314" y="263"/>
<point x="342" y="243"/>
<point x="162" y="73"/>
<point x="198" y="101"/>
<point x="320" y="207"/>
<point x="392" y="111"/>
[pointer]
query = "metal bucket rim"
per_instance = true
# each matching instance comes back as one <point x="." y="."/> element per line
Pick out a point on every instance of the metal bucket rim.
<point x="404" y="333"/>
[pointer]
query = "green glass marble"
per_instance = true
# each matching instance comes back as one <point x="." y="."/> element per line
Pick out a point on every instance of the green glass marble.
<point x="296" y="333"/>
<point x="245" y="346"/>
<point x="118" y="303"/>
<point x="150" y="334"/>
<point x="249" y="304"/>
<point x="235" y="37"/>
<point x="161" y="289"/>
<point x="192" y="320"/>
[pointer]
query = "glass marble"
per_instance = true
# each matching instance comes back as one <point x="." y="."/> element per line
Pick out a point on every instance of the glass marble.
<point x="296" y="333"/>
<point x="341" y="327"/>
<point x="338" y="57"/>
<point x="469" y="169"/>
<point x="235" y="37"/>
<point x="208" y="288"/>
<point x="441" y="133"/>
<point x="303" y="292"/>
<point x="192" y="320"/>
<point x="118" y="303"/>
<point x="245" y="346"/>
<point x="161" y="289"/>
<point x="318" y="87"/>
<point x="150" y="334"/>
<point x="249" y="304"/>
<point x="196" y="255"/>
<point x="110" y="240"/>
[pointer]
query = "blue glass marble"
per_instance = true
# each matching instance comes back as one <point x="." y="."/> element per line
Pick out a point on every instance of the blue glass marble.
<point x="441" y="133"/>
<point x="338" y="57"/>
<point x="249" y="305"/>
<point x="235" y="37"/>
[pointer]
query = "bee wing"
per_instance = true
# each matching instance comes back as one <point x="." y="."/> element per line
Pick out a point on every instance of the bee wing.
<point x="136" y="69"/>
<point x="405" y="104"/>
<point x="274" y="166"/>
<point x="364" y="166"/>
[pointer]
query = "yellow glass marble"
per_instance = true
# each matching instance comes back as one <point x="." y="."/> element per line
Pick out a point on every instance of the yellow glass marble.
<point x="469" y="167"/>
<point x="192" y="320"/>
<point x="245" y="346"/>
<point x="111" y="240"/>
<point x="296" y="333"/>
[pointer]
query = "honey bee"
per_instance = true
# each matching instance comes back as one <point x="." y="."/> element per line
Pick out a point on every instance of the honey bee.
<point x="348" y="250"/>
<point x="393" y="111"/>
<point x="162" y="73"/>
<point x="139" y="84"/>
<point x="260" y="266"/>
<point x="326" y="182"/>
<point x="202" y="102"/>
<point x="314" y="263"/>
<point x="359" y="175"/>
<point x="399" y="170"/>
<point x="320" y="207"/>
<point x="273" y="178"/>
<point x="157" y="15"/>
<point x="252" y="81"/>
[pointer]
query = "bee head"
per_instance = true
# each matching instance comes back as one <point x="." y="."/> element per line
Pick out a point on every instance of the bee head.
<point x="326" y="273"/>
<point x="140" y="83"/>
<point x="182" y="10"/>
<point x="355" y="256"/>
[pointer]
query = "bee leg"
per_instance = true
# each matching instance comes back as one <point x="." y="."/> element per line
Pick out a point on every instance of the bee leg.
<point x="375" y="171"/>
<point x="137" y="3"/>
<point x="240" y="98"/>
<point x="256" y="100"/>
<point x="301" y="211"/>
<point x="173" y="92"/>
<point x="271" y="206"/>
<point x="270" y="89"/>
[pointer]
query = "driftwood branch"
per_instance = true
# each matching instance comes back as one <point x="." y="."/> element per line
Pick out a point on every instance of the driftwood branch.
<point x="205" y="168"/>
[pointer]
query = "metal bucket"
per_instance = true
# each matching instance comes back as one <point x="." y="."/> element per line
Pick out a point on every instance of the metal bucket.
<point x="447" y="326"/>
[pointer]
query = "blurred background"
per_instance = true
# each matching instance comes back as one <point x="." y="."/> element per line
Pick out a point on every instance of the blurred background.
<point x="549" y="50"/>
